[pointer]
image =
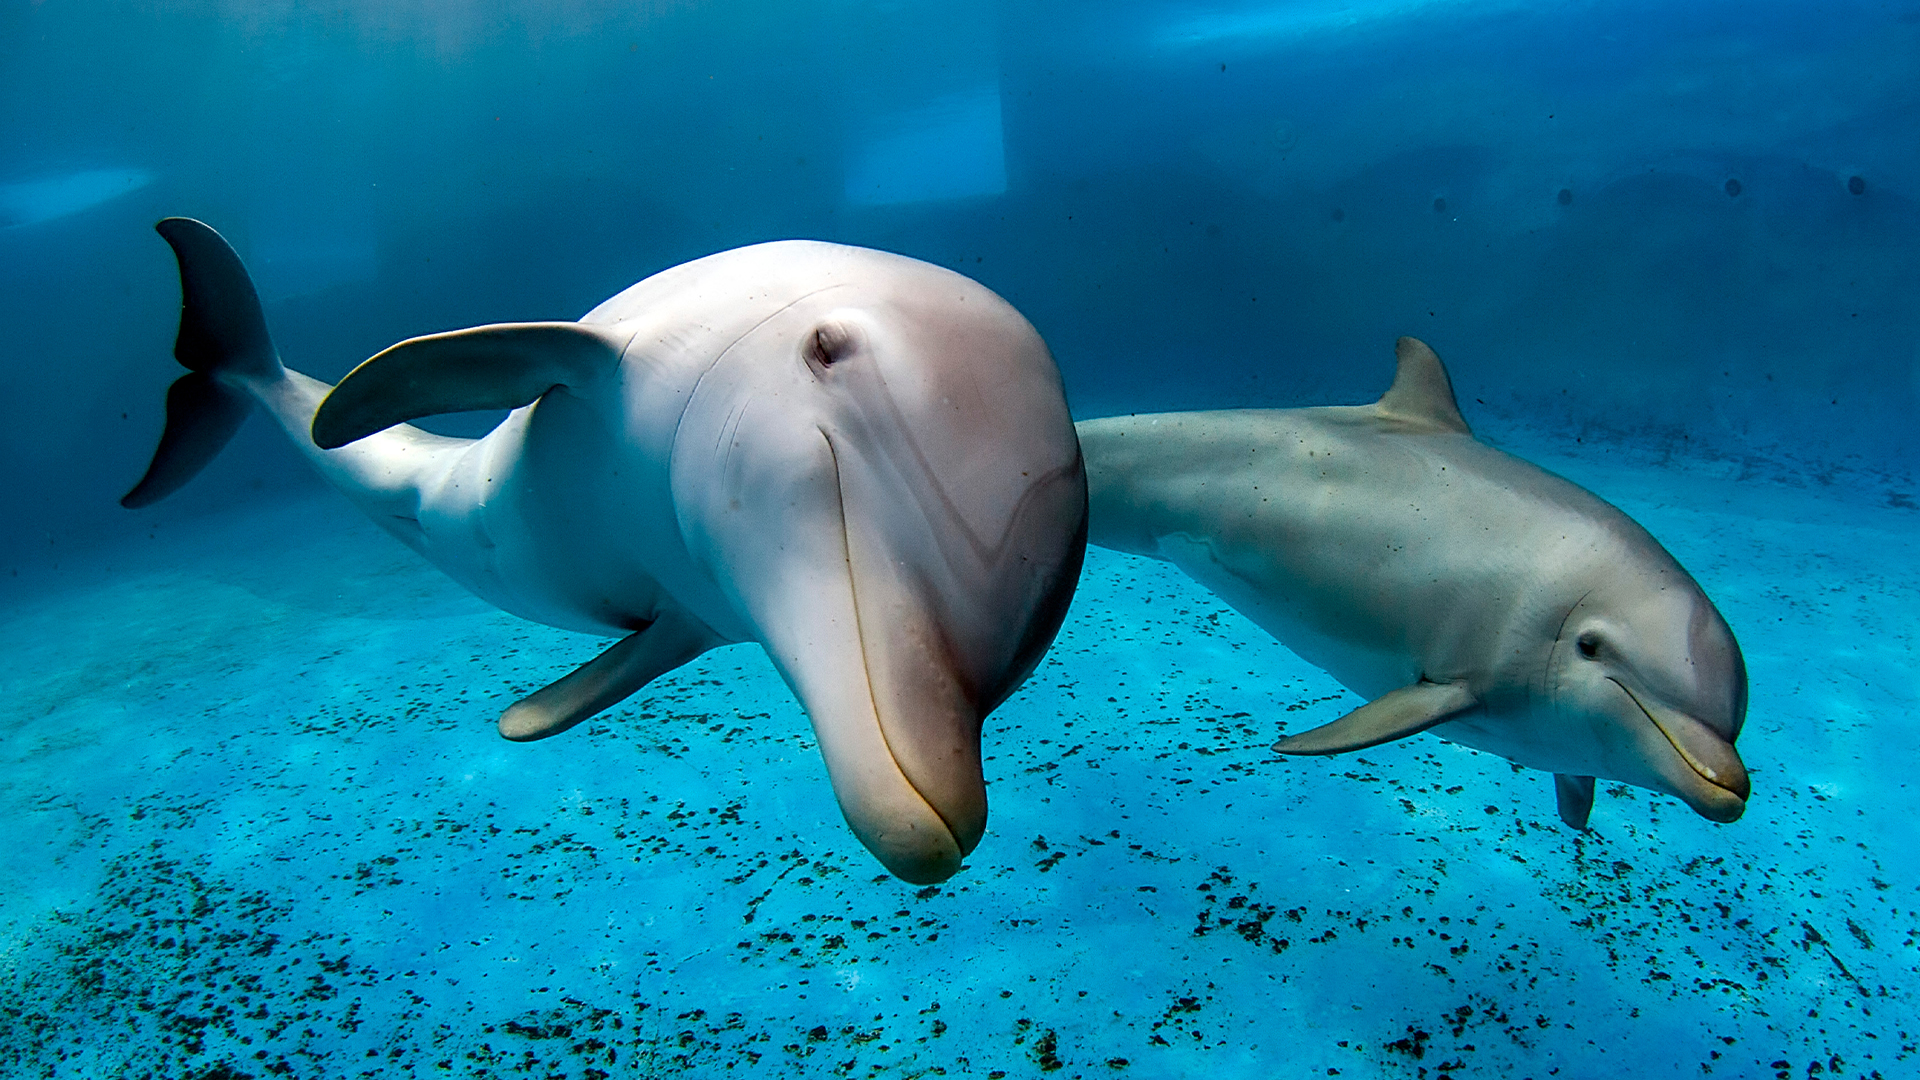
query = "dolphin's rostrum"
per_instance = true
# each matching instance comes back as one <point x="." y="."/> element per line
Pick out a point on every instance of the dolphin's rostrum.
<point x="863" y="462"/>
<point x="1461" y="589"/>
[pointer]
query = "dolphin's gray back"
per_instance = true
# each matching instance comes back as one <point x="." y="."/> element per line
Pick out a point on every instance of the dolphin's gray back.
<point x="1322" y="473"/>
<point x="1325" y="526"/>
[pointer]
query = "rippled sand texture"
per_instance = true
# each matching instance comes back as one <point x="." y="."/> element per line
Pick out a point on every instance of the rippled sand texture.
<point x="258" y="823"/>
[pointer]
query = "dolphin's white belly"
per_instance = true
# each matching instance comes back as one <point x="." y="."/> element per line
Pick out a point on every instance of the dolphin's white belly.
<point x="557" y="538"/>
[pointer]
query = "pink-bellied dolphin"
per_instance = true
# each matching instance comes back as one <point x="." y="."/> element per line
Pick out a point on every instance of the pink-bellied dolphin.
<point x="1460" y="589"/>
<point x="863" y="462"/>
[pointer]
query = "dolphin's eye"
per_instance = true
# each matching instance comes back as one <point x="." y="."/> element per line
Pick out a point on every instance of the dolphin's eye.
<point x="1589" y="644"/>
<point x="830" y="342"/>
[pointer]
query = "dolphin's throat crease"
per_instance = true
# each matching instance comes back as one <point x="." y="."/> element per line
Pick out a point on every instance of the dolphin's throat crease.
<point x="1460" y="589"/>
<point x="860" y="461"/>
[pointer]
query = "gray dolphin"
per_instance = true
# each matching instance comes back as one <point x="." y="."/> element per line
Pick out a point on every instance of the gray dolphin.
<point x="863" y="462"/>
<point x="1459" y="588"/>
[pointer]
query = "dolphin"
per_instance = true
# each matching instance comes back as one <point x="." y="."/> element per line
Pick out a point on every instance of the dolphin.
<point x="1460" y="589"/>
<point x="863" y="462"/>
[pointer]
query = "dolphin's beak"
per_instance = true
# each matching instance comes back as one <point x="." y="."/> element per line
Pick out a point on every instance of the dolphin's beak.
<point x="899" y="636"/>
<point x="1702" y="768"/>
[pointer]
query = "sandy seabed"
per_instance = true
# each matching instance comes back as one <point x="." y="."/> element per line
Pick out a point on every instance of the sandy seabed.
<point x="258" y="823"/>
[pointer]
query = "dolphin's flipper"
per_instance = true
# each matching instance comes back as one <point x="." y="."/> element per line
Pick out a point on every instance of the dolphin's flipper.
<point x="1406" y="711"/>
<point x="1574" y="794"/>
<point x="222" y="333"/>
<point x="503" y="366"/>
<point x="632" y="662"/>
<point x="1422" y="394"/>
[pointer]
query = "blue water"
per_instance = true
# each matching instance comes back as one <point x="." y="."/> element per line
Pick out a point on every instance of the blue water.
<point x="257" y="821"/>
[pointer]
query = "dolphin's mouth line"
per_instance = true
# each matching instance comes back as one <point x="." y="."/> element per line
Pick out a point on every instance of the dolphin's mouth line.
<point x="1704" y="771"/>
<point x="859" y="635"/>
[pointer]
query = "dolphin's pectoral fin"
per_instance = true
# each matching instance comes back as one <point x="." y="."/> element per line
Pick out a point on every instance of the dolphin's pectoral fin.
<point x="503" y="366"/>
<point x="1574" y="794"/>
<point x="632" y="662"/>
<point x="1422" y="394"/>
<point x="1406" y="711"/>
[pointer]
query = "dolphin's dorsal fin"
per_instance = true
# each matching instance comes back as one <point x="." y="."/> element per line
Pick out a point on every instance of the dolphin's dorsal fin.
<point x="1403" y="712"/>
<point x="1421" y="393"/>
<point x="1573" y="796"/>
<point x="503" y="366"/>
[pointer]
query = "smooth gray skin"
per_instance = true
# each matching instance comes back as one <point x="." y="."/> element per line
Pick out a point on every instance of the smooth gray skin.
<point x="1459" y="588"/>
<point x="863" y="462"/>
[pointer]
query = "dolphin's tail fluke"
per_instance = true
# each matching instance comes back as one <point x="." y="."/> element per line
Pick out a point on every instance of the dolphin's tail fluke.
<point x="223" y="342"/>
